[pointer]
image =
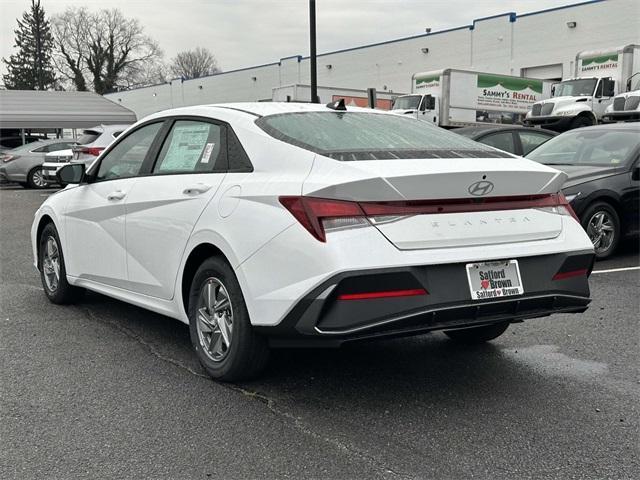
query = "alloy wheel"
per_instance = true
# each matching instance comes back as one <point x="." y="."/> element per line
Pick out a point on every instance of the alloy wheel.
<point x="215" y="320"/>
<point x="51" y="264"/>
<point x="38" y="179"/>
<point x="601" y="231"/>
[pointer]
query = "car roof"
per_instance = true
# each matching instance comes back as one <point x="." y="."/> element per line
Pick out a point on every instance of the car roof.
<point x="632" y="126"/>
<point x="484" y="129"/>
<point x="261" y="109"/>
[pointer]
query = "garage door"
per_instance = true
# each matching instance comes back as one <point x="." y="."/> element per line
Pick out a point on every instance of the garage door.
<point x="546" y="72"/>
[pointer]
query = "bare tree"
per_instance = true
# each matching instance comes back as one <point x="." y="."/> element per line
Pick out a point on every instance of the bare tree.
<point x="194" y="63"/>
<point x="105" y="47"/>
<point x="70" y="31"/>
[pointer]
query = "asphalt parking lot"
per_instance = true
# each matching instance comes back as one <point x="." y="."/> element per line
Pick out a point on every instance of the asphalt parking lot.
<point x="107" y="390"/>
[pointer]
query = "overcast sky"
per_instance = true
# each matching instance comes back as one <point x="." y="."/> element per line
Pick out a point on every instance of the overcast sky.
<point x="242" y="33"/>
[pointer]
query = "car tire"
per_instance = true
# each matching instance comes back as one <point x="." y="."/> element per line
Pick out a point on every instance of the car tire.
<point x="53" y="273"/>
<point x="476" y="335"/>
<point x="581" y="121"/>
<point x="600" y="220"/>
<point x="239" y="353"/>
<point x="35" y="178"/>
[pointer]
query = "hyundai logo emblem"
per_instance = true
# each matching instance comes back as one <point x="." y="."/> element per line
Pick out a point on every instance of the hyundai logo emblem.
<point x="480" y="188"/>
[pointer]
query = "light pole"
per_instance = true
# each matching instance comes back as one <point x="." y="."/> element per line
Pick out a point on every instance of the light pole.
<point x="313" y="56"/>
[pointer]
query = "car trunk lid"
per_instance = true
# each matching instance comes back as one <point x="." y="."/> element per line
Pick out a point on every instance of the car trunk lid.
<point x="458" y="201"/>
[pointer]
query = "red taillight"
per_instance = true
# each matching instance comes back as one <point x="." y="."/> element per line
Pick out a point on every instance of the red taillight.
<point x="384" y="294"/>
<point x="95" y="151"/>
<point x="573" y="273"/>
<point x="311" y="211"/>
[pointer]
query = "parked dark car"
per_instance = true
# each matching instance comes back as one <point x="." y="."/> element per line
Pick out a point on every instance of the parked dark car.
<point x="509" y="138"/>
<point x="604" y="179"/>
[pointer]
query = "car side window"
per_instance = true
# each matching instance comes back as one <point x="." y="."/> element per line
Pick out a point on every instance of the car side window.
<point x="126" y="158"/>
<point x="531" y="140"/>
<point x="501" y="140"/>
<point x="192" y="146"/>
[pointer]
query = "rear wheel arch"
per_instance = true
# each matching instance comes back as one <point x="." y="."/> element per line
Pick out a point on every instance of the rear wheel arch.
<point x="198" y="255"/>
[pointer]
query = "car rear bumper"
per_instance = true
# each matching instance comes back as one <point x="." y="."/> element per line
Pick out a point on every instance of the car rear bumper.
<point x="49" y="171"/>
<point x="322" y="318"/>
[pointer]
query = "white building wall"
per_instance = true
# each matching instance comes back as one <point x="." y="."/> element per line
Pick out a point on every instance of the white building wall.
<point x="504" y="43"/>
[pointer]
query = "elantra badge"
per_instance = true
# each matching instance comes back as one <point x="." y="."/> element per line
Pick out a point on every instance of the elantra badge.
<point x="481" y="188"/>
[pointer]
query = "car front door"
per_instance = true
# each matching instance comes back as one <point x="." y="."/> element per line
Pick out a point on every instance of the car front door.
<point x="95" y="214"/>
<point x="163" y="207"/>
<point x="630" y="199"/>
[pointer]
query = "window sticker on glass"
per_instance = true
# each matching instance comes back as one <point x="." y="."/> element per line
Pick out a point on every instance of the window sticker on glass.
<point x="185" y="149"/>
<point x="206" y="153"/>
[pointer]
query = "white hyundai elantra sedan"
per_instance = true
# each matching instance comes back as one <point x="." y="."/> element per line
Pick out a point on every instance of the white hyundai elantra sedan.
<point x="283" y="224"/>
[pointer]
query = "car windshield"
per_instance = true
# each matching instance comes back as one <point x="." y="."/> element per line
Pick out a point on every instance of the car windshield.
<point x="575" y="88"/>
<point x="635" y="84"/>
<point x="598" y="147"/>
<point x="370" y="136"/>
<point x="408" y="102"/>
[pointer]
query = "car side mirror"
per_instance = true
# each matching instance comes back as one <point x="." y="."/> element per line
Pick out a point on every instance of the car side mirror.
<point x="72" y="173"/>
<point x="635" y="173"/>
<point x="553" y="90"/>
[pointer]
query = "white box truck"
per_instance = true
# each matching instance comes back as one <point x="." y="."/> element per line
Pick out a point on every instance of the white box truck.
<point x="582" y="100"/>
<point x="352" y="97"/>
<point x="457" y="98"/>
<point x="625" y="106"/>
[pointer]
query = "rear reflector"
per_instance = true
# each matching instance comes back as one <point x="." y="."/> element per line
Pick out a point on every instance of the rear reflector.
<point x="573" y="273"/>
<point x="311" y="211"/>
<point x="385" y="294"/>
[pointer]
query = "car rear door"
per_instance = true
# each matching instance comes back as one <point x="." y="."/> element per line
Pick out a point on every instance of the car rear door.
<point x="163" y="207"/>
<point x="504" y="141"/>
<point x="530" y="140"/>
<point x="95" y="214"/>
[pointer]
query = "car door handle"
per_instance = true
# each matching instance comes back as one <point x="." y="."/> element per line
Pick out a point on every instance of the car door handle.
<point x="117" y="195"/>
<point x="196" y="189"/>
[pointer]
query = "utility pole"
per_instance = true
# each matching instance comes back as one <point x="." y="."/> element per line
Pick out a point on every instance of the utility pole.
<point x="313" y="56"/>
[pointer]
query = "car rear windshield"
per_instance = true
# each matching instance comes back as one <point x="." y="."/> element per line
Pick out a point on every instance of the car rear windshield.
<point x="88" y="136"/>
<point x="350" y="136"/>
<point x="589" y="147"/>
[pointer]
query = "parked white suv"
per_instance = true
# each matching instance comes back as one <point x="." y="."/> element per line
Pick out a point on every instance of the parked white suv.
<point x="88" y="147"/>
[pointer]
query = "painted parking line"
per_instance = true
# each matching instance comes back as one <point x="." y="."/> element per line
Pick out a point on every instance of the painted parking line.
<point x="611" y="270"/>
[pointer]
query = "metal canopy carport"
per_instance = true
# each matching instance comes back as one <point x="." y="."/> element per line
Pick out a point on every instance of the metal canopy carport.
<point x="36" y="109"/>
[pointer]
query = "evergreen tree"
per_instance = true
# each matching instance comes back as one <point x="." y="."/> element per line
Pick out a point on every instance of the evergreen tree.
<point x="31" y="68"/>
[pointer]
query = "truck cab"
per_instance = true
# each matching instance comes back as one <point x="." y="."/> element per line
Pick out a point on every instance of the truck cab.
<point x="422" y="107"/>
<point x="625" y="106"/>
<point x="575" y="102"/>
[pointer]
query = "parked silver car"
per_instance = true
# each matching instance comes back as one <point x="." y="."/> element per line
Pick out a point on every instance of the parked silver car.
<point x="86" y="149"/>
<point x="23" y="164"/>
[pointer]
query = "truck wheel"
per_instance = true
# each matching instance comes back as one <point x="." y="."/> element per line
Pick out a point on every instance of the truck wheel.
<point x="221" y="333"/>
<point x="476" y="335"/>
<point x="602" y="224"/>
<point x="581" y="121"/>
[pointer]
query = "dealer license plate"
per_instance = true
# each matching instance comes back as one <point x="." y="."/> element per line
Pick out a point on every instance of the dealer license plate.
<point x="490" y="280"/>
